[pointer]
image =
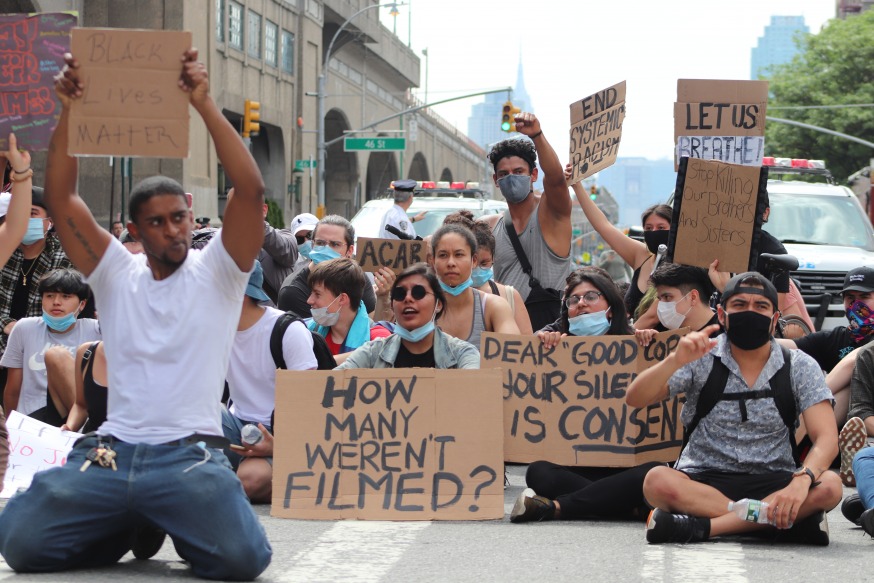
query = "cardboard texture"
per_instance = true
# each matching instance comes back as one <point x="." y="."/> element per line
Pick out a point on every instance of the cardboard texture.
<point x="717" y="214"/>
<point x="397" y="254"/>
<point x="34" y="446"/>
<point x="388" y="444"/>
<point x="567" y="405"/>
<point x="720" y="120"/>
<point x="132" y="104"/>
<point x="32" y="52"/>
<point x="596" y="129"/>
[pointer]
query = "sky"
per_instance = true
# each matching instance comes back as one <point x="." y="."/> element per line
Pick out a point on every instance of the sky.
<point x="571" y="49"/>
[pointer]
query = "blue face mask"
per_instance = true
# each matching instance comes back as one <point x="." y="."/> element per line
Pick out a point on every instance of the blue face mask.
<point x="59" y="324"/>
<point x="305" y="248"/>
<point x="35" y="231"/>
<point x="515" y="187"/>
<point x="481" y="275"/>
<point x="454" y="291"/>
<point x="594" y="324"/>
<point x="417" y="334"/>
<point x="322" y="253"/>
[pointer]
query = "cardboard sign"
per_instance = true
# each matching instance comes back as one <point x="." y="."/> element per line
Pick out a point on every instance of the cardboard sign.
<point x="33" y="446"/>
<point x="388" y="444"/>
<point x="596" y="128"/>
<point x="132" y="104"/>
<point x="720" y="120"/>
<point x="567" y="404"/>
<point x="32" y="52"/>
<point x="718" y="215"/>
<point x="397" y="254"/>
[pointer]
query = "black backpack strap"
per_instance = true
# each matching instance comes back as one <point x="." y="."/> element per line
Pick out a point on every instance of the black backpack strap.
<point x="520" y="252"/>
<point x="494" y="287"/>
<point x="282" y="324"/>
<point x="710" y="394"/>
<point x="784" y="398"/>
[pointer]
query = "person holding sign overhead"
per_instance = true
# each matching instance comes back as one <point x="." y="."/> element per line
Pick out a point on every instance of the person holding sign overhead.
<point x="417" y="300"/>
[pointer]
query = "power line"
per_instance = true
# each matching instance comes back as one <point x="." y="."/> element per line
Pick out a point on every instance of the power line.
<point x="848" y="105"/>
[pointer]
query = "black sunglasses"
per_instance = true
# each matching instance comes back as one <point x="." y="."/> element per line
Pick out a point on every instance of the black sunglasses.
<point x="399" y="294"/>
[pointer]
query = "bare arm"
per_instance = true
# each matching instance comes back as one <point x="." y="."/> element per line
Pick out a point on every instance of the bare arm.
<point x="13" y="229"/>
<point x="79" y="412"/>
<point x="840" y="375"/>
<point x="499" y="317"/>
<point x="520" y="313"/>
<point x="820" y="423"/>
<point x="13" y="390"/>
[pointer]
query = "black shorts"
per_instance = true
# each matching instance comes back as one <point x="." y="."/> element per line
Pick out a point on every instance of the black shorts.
<point x="738" y="486"/>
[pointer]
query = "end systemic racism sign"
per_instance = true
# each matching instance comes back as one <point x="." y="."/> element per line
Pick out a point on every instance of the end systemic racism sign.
<point x="596" y="129"/>
<point x="388" y="444"/>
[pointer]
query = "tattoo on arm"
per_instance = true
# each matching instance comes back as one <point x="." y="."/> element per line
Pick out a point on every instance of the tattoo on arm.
<point x="86" y="245"/>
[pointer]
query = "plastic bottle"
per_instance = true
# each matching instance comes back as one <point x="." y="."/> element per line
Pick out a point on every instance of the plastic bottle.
<point x="750" y="510"/>
<point x="251" y="434"/>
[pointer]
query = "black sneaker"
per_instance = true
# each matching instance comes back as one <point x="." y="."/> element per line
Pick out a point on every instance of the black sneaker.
<point x="852" y="508"/>
<point x="812" y="530"/>
<point x="866" y="521"/>
<point x="148" y="540"/>
<point x="530" y="507"/>
<point x="664" y="527"/>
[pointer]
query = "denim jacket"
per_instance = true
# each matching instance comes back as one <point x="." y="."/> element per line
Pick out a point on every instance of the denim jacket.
<point x="449" y="352"/>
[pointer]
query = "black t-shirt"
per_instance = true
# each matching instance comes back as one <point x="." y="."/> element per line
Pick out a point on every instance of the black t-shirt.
<point x="21" y="295"/>
<point x="713" y="320"/>
<point x="407" y="359"/>
<point x="770" y="244"/>
<point x="294" y="294"/>
<point x="828" y="347"/>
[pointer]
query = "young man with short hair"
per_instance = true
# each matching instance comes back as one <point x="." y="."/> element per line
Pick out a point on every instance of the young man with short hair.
<point x="683" y="293"/>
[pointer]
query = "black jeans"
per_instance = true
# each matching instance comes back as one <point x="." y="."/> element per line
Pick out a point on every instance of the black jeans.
<point x="598" y="493"/>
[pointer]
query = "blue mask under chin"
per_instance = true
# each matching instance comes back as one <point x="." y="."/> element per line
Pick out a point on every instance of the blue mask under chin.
<point x="454" y="291"/>
<point x="594" y="324"/>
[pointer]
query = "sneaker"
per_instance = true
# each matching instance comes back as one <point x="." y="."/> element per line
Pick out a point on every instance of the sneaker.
<point x="813" y="530"/>
<point x="852" y="508"/>
<point x="531" y="507"/>
<point x="148" y="540"/>
<point x="866" y="521"/>
<point x="664" y="527"/>
<point x="852" y="438"/>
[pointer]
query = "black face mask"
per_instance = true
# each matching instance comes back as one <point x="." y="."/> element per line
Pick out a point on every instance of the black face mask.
<point x="748" y="330"/>
<point x="655" y="238"/>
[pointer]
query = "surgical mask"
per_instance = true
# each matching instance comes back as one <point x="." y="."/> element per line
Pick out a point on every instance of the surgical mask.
<point x="417" y="334"/>
<point x="454" y="291"/>
<point x="34" y="232"/>
<point x="515" y="187"/>
<point x="594" y="324"/>
<point x="668" y="314"/>
<point x="748" y="330"/>
<point x="481" y="275"/>
<point x="59" y="323"/>
<point x="655" y="238"/>
<point x="322" y="253"/>
<point x="305" y="248"/>
<point x="861" y="320"/>
<point x="325" y="318"/>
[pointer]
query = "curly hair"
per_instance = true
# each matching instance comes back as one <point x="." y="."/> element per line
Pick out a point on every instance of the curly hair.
<point x="522" y="148"/>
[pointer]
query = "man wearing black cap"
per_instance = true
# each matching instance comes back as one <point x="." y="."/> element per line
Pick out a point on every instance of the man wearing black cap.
<point x="396" y="216"/>
<point x="741" y="399"/>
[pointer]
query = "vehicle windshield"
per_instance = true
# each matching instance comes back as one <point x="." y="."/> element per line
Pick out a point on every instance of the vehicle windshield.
<point x="818" y="220"/>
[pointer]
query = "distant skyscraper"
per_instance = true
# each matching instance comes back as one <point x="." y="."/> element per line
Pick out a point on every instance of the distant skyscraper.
<point x="777" y="46"/>
<point x="484" y="123"/>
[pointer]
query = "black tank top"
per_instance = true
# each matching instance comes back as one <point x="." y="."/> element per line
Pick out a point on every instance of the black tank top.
<point x="95" y="394"/>
<point x="633" y="295"/>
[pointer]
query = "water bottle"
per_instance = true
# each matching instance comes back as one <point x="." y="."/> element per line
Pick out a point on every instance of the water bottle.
<point x="750" y="510"/>
<point x="251" y="434"/>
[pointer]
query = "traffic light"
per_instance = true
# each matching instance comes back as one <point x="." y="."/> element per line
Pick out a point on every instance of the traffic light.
<point x="508" y="115"/>
<point x="593" y="192"/>
<point x="251" y="116"/>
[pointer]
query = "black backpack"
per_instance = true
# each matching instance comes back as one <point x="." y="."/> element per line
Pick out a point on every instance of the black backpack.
<point x="780" y="389"/>
<point x="320" y="346"/>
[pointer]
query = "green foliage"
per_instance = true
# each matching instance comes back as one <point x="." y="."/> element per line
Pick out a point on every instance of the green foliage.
<point x="834" y="67"/>
<point x="275" y="216"/>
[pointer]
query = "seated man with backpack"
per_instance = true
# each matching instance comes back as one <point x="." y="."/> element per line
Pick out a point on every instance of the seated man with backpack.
<point x="251" y="380"/>
<point x="338" y="312"/>
<point x="743" y="397"/>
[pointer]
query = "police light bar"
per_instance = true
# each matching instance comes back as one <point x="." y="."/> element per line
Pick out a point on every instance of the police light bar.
<point x="428" y="184"/>
<point x="457" y="185"/>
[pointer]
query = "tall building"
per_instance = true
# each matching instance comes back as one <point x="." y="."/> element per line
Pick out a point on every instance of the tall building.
<point x="484" y="123"/>
<point x="777" y="46"/>
<point x="636" y="184"/>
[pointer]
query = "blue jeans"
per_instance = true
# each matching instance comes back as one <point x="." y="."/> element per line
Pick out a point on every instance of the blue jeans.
<point x="232" y="427"/>
<point x="863" y="468"/>
<point x="73" y="519"/>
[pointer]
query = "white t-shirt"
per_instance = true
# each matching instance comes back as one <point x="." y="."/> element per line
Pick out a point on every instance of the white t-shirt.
<point x="167" y="342"/>
<point x="252" y="372"/>
<point x="30" y="339"/>
<point x="397" y="217"/>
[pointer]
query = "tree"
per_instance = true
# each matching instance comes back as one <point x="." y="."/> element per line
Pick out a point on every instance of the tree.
<point x="834" y="67"/>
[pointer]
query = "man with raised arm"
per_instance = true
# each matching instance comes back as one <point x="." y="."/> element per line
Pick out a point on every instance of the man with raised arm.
<point x="156" y="462"/>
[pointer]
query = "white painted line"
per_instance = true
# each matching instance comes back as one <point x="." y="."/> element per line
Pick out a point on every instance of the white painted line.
<point x="362" y="551"/>
<point x="708" y="561"/>
<point x="653" y="568"/>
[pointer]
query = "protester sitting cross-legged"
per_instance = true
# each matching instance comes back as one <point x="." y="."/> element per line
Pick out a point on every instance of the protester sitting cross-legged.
<point x="417" y="300"/>
<point x="744" y="394"/>
<point x="592" y="306"/>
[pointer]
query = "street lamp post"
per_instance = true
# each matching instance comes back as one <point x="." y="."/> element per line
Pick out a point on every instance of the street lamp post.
<point x="425" y="52"/>
<point x="320" y="109"/>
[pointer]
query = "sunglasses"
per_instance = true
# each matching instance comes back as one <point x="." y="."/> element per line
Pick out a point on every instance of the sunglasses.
<point x="418" y="291"/>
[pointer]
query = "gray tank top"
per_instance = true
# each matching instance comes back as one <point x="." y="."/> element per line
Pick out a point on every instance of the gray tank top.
<point x="550" y="269"/>
<point x="479" y="318"/>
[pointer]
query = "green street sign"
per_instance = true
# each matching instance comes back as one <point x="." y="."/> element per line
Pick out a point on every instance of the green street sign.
<point x="304" y="164"/>
<point x="374" y="144"/>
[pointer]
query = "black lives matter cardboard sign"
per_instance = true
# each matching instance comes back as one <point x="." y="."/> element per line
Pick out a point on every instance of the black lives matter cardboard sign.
<point x="388" y="444"/>
<point x="396" y="254"/>
<point x="596" y="129"/>
<point x="720" y="120"/>
<point x="132" y="104"/>
<point x="718" y="211"/>
<point x="567" y="404"/>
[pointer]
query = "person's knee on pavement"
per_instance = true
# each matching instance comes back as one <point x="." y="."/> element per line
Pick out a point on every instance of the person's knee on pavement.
<point x="256" y="475"/>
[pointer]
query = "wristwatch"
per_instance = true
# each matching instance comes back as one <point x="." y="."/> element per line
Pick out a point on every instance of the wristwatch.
<point x="805" y="470"/>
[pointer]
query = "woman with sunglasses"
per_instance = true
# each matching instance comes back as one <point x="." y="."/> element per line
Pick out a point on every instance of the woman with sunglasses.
<point x="417" y="301"/>
<point x="468" y="312"/>
<point x="592" y="306"/>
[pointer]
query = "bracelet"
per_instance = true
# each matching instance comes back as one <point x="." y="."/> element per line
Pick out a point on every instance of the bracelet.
<point x="17" y="177"/>
<point x="537" y="135"/>
<point x="805" y="471"/>
<point x="21" y="171"/>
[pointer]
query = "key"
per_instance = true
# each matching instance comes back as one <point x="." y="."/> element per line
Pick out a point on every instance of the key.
<point x="109" y="459"/>
<point x="90" y="457"/>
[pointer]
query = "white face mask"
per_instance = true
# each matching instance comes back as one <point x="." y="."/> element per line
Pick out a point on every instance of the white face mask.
<point x="669" y="316"/>
<point x="325" y="318"/>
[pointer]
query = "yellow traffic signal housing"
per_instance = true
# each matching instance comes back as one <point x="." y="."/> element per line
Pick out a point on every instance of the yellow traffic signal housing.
<point x="508" y="117"/>
<point x="251" y="117"/>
